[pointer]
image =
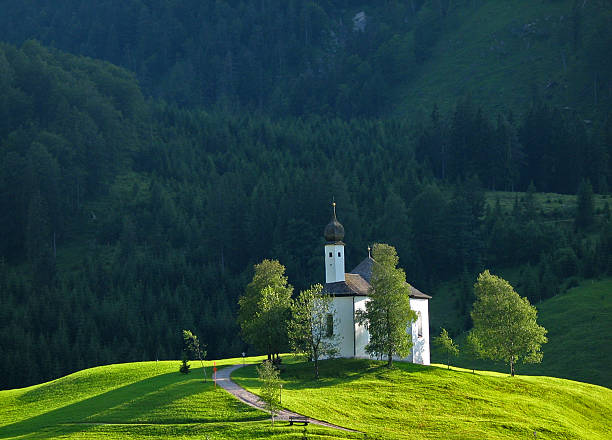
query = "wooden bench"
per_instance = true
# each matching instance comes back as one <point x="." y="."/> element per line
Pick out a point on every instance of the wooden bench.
<point x="298" y="419"/>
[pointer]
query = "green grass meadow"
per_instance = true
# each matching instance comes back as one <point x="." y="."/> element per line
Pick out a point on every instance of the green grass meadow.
<point x="136" y="401"/>
<point x="152" y="400"/>
<point x="579" y="324"/>
<point x="146" y="400"/>
<point x="419" y="402"/>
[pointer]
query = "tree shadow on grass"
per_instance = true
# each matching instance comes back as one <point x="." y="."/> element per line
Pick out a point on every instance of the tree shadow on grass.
<point x="128" y="402"/>
<point x="332" y="372"/>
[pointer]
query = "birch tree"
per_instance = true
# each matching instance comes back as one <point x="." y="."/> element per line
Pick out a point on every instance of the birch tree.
<point x="311" y="330"/>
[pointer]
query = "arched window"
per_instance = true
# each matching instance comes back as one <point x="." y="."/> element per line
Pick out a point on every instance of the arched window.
<point x="419" y="325"/>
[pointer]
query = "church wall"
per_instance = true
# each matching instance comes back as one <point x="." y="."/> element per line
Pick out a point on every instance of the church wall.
<point x="343" y="305"/>
<point x="362" y="336"/>
<point x="420" y="348"/>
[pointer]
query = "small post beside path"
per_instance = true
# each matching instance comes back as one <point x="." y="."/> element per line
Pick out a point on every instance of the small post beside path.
<point x="215" y="373"/>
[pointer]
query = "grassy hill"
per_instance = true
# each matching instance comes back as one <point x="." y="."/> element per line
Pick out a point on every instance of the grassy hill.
<point x="414" y="401"/>
<point x="579" y="324"/>
<point x="135" y="401"/>
<point x="152" y="400"/>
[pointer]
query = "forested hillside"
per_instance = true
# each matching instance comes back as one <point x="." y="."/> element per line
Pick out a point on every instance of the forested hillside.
<point x="301" y="57"/>
<point x="125" y="218"/>
<point x="125" y="221"/>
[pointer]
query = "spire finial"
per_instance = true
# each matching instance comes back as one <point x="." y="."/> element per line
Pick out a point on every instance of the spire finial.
<point x="334" y="231"/>
<point x="369" y="249"/>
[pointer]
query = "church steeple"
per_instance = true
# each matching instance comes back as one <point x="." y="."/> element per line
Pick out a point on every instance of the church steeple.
<point x="334" y="249"/>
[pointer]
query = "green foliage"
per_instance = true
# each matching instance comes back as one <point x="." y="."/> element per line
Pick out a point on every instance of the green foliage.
<point x="184" y="368"/>
<point x="585" y="209"/>
<point x="265" y="308"/>
<point x="135" y="219"/>
<point x="388" y="314"/>
<point x="576" y="321"/>
<point x="270" y="387"/>
<point x="505" y="324"/>
<point x="472" y="348"/>
<point x="192" y="343"/>
<point x="306" y="58"/>
<point x="309" y="326"/>
<point x="446" y="343"/>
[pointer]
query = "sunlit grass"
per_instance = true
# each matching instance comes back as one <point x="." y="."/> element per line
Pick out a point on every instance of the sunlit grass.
<point x="413" y="401"/>
<point x="138" y="400"/>
<point x="579" y="324"/>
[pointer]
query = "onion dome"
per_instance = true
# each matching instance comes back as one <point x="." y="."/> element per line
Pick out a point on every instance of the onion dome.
<point x="334" y="231"/>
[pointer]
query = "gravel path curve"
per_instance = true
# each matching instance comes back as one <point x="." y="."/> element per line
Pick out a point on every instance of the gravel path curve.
<point x="225" y="382"/>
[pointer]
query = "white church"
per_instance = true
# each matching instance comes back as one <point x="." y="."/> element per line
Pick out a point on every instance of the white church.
<point x="350" y="293"/>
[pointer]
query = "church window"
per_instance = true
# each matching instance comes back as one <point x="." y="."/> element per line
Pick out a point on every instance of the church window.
<point x="419" y="325"/>
<point x="330" y="255"/>
<point x="330" y="325"/>
<point x="339" y="255"/>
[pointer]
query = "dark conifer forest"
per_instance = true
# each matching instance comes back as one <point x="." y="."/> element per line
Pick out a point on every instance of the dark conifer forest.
<point x="151" y="152"/>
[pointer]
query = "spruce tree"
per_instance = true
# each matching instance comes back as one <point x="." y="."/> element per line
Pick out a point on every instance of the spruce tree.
<point x="585" y="208"/>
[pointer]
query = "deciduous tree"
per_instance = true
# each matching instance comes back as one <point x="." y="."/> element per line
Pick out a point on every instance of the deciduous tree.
<point x="270" y="387"/>
<point x="265" y="308"/>
<point x="311" y="322"/>
<point x="193" y="345"/>
<point x="388" y="313"/>
<point x="445" y="342"/>
<point x="505" y="323"/>
<point x="472" y="348"/>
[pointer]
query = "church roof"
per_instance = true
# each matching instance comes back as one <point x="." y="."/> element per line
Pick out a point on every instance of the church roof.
<point x="365" y="268"/>
<point x="334" y="231"/>
<point x="358" y="282"/>
<point x="354" y="285"/>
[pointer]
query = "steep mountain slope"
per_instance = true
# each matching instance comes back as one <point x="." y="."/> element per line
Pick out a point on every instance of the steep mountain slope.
<point x="347" y="58"/>
<point x="125" y="220"/>
<point x="506" y="54"/>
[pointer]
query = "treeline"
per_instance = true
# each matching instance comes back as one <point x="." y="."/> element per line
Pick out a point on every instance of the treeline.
<point x="125" y="221"/>
<point x="553" y="148"/>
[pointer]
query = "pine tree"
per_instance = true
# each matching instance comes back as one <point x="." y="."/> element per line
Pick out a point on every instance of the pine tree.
<point x="184" y="368"/>
<point x="585" y="209"/>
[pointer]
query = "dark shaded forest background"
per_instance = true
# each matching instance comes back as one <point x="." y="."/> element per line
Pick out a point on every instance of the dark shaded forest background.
<point x="135" y="200"/>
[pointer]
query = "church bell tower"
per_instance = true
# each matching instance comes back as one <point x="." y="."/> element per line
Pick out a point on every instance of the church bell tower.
<point x="334" y="250"/>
